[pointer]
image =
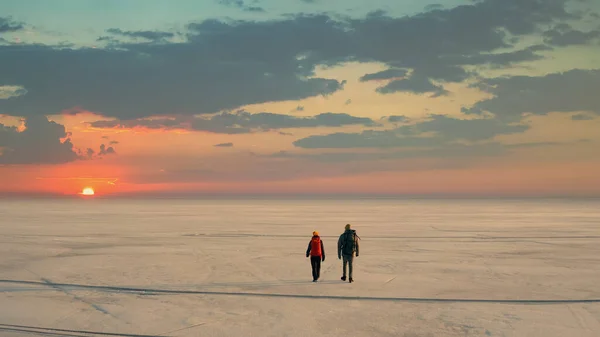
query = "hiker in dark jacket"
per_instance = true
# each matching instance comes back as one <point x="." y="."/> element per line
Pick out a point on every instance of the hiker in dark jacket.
<point x="316" y="250"/>
<point x="347" y="247"/>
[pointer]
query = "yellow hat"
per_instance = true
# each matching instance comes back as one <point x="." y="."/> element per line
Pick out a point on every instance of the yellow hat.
<point x="347" y="226"/>
<point x="315" y="233"/>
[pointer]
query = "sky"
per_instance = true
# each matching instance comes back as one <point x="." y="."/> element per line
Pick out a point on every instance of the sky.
<point x="380" y="97"/>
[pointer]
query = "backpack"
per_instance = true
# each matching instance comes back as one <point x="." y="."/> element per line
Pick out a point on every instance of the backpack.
<point x="315" y="246"/>
<point x="349" y="242"/>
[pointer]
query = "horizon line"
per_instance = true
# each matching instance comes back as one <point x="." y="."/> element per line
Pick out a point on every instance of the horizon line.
<point x="225" y="195"/>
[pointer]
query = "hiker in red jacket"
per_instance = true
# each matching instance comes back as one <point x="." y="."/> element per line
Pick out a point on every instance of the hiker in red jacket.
<point x="316" y="250"/>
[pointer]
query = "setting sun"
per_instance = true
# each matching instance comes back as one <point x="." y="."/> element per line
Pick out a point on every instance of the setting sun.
<point x="88" y="191"/>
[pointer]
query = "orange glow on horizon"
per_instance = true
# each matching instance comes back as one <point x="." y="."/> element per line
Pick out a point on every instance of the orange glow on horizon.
<point x="88" y="191"/>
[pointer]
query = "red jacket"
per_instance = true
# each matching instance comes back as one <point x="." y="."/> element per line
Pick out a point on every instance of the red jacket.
<point x="315" y="247"/>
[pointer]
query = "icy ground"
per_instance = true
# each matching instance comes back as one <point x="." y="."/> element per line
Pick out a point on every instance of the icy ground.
<point x="425" y="269"/>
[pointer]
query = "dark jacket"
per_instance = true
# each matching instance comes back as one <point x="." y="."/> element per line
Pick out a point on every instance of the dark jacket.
<point x="310" y="248"/>
<point x="342" y="239"/>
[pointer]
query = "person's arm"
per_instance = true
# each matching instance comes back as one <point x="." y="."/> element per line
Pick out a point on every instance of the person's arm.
<point x="339" y="247"/>
<point x="356" y="241"/>
<point x="322" y="251"/>
<point x="308" y="249"/>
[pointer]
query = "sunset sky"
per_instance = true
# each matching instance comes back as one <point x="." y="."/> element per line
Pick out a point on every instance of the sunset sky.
<point x="473" y="97"/>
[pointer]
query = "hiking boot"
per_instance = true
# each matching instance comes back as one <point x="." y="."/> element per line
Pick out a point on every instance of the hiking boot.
<point x="343" y="278"/>
<point x="350" y="280"/>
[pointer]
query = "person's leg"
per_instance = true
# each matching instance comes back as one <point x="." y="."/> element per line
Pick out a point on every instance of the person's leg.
<point x="313" y="266"/>
<point x="345" y="263"/>
<point x="316" y="266"/>
<point x="318" y="269"/>
<point x="350" y="260"/>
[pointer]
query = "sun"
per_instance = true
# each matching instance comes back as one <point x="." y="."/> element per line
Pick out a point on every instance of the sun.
<point x="88" y="191"/>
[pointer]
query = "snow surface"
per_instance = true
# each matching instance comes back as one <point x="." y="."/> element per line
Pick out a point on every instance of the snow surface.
<point x="237" y="268"/>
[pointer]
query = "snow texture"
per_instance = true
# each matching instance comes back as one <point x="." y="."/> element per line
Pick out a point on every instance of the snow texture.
<point x="427" y="268"/>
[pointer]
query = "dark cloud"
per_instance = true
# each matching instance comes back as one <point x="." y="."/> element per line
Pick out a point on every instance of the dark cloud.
<point x="215" y="71"/>
<point x="582" y="117"/>
<point x="42" y="142"/>
<point x="564" y="35"/>
<point x="447" y="151"/>
<point x="570" y="91"/>
<point x="384" y="75"/>
<point x="451" y="70"/>
<point x="397" y="119"/>
<point x="224" y="145"/>
<point x="240" y="122"/>
<point x="106" y="150"/>
<point x="226" y="65"/>
<point x="438" y="43"/>
<point x="8" y="25"/>
<point x="284" y="165"/>
<point x="442" y="151"/>
<point x="241" y="5"/>
<point x="432" y="7"/>
<point x="445" y="130"/>
<point x="145" y="34"/>
<point x="450" y="128"/>
<point x="109" y="40"/>
<point x="500" y="59"/>
<point x="415" y="85"/>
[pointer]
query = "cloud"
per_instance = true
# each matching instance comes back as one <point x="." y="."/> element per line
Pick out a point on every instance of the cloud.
<point x="42" y="142"/>
<point x="282" y="166"/>
<point x="582" y="117"/>
<point x="8" y="91"/>
<point x="225" y="65"/>
<point x="447" y="152"/>
<point x="106" y="150"/>
<point x="397" y="119"/>
<point x="241" y="5"/>
<point x="499" y="59"/>
<point x="384" y="75"/>
<point x="208" y="74"/>
<point x="564" y="35"/>
<point x="443" y="151"/>
<point x="432" y="7"/>
<point x="445" y="130"/>
<point x="451" y="128"/>
<point x="145" y="34"/>
<point x="570" y="91"/>
<point x="8" y="25"/>
<point x="224" y="145"/>
<point x="239" y="122"/>
<point x="437" y="44"/>
<point x="415" y="85"/>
